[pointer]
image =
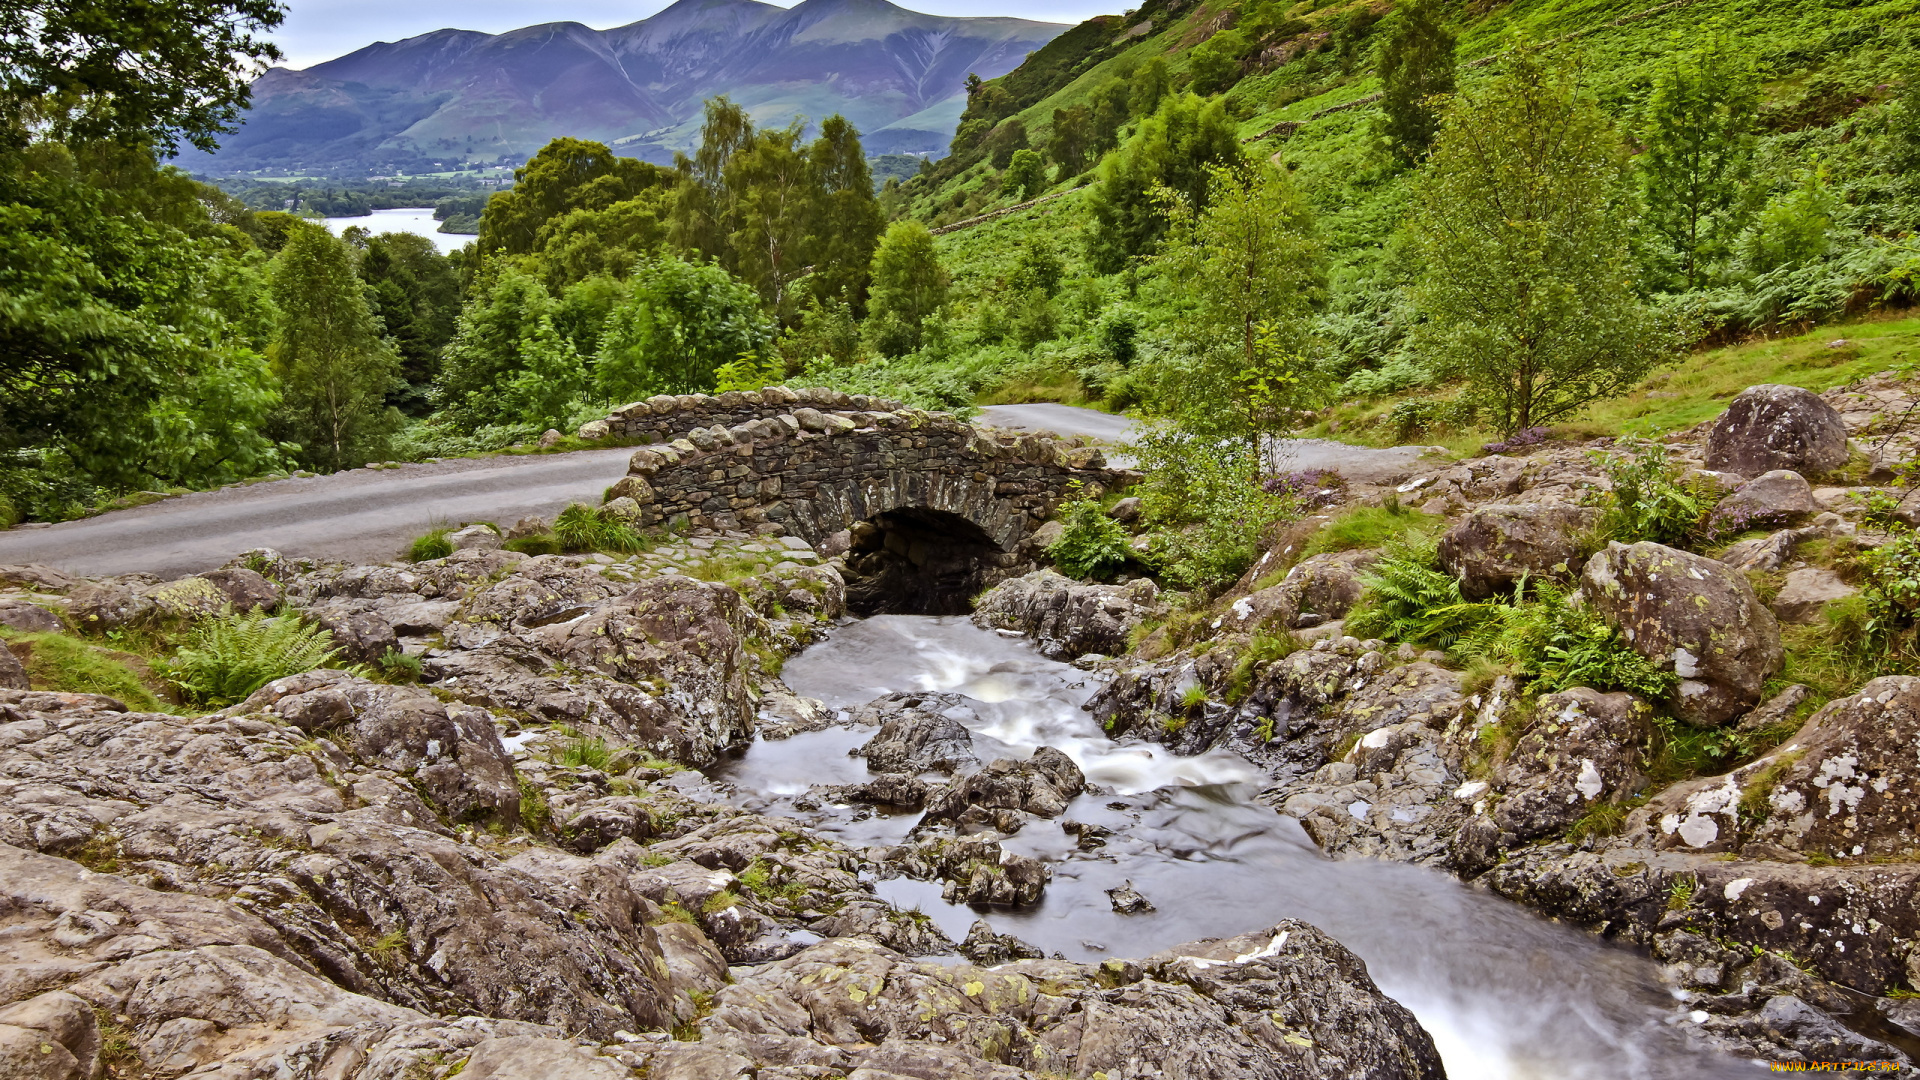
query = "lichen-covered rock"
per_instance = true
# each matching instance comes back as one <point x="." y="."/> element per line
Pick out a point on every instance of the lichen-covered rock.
<point x="1848" y="785"/>
<point x="1692" y="615"/>
<point x="361" y="636"/>
<point x="1772" y="427"/>
<point x="245" y="590"/>
<point x="1495" y="546"/>
<point x="918" y="733"/>
<point x="1320" y="589"/>
<point x="1067" y="618"/>
<point x="1807" y="592"/>
<point x="1778" y="497"/>
<point x="1581" y="750"/>
<point x="1287" y="1002"/>
<point x="541" y="590"/>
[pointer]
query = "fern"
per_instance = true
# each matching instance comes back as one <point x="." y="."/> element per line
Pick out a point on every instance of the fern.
<point x="230" y="657"/>
<point x="1409" y="598"/>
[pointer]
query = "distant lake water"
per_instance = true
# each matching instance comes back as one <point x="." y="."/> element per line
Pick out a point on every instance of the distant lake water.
<point x="418" y="219"/>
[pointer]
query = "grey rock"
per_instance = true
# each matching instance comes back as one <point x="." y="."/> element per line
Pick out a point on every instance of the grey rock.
<point x="918" y="733"/>
<point x="1693" y="616"/>
<point x="1778" y="497"/>
<point x="29" y="618"/>
<point x="988" y="949"/>
<point x="245" y="590"/>
<point x="1807" y="592"/>
<point x="1126" y="900"/>
<point x="475" y="538"/>
<point x="1497" y="545"/>
<point x="1067" y="618"/>
<point x="527" y="1057"/>
<point x="1041" y="785"/>
<point x="1770" y="427"/>
<point x="13" y="674"/>
<point x="1582" y="749"/>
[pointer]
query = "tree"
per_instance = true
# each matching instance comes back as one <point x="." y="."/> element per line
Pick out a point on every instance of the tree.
<point x="767" y="185"/>
<point x="846" y="220"/>
<point x="1111" y="111"/>
<point x="1068" y="145"/>
<point x="137" y="72"/>
<point x="1699" y="133"/>
<point x="551" y="377"/>
<point x="1173" y="149"/>
<point x="1151" y="85"/>
<point x="1523" y="233"/>
<point x="1215" y="63"/>
<point x="334" y="369"/>
<point x="1025" y="176"/>
<point x="702" y="206"/>
<point x="1255" y="269"/>
<point x="485" y="351"/>
<point x="680" y="323"/>
<point x="566" y="174"/>
<point x="1416" y="66"/>
<point x="415" y="293"/>
<point x="1007" y="138"/>
<point x="909" y="286"/>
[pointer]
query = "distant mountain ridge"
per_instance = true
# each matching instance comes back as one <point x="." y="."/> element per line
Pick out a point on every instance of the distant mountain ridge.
<point x="454" y="95"/>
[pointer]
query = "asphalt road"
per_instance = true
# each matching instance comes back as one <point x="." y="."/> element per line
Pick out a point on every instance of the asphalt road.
<point x="363" y="515"/>
<point x="368" y="515"/>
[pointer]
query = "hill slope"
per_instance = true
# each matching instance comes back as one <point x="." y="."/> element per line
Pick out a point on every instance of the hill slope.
<point x="459" y="95"/>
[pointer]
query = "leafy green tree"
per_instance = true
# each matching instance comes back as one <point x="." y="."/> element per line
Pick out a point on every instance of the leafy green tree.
<point x="134" y="72"/>
<point x="567" y="174"/>
<point x="1112" y="108"/>
<point x="1173" y="149"/>
<point x="679" y="324"/>
<point x="1215" y="63"/>
<point x="845" y="222"/>
<point x="1068" y="145"/>
<point x="1008" y="138"/>
<point x="772" y="207"/>
<point x="909" y="286"/>
<point x="702" y="218"/>
<point x="334" y="368"/>
<point x="485" y="351"/>
<point x="827" y="335"/>
<point x="1416" y="66"/>
<point x="1025" y="176"/>
<point x="1254" y="268"/>
<point x="1699" y="134"/>
<point x="1523" y="234"/>
<point x="1795" y="228"/>
<point x="415" y="292"/>
<point x="551" y="378"/>
<point x="583" y="243"/>
<point x="1151" y="85"/>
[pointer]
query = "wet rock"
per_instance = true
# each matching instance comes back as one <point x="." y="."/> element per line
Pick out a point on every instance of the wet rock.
<point x="1497" y="545"/>
<point x="1287" y="1002"/>
<point x="886" y="789"/>
<point x="1067" y="618"/>
<point x="988" y="949"/>
<point x="1693" y="616"/>
<point x="1126" y="900"/>
<point x="245" y="590"/>
<point x="973" y="870"/>
<point x="1582" y="749"/>
<point x="1041" y="785"/>
<point x="1772" y="427"/>
<point x="1807" y="592"/>
<point x="918" y="733"/>
<point x="1779" y="497"/>
<point x="29" y="618"/>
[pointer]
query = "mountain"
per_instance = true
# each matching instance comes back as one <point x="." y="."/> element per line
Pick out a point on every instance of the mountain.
<point x="460" y="95"/>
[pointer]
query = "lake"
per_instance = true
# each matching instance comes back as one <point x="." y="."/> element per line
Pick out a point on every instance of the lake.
<point x="416" y="219"/>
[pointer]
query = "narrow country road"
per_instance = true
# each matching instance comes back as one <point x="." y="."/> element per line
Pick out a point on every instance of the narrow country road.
<point x="362" y="515"/>
<point x="368" y="515"/>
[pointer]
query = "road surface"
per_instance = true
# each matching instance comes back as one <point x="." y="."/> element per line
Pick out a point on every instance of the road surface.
<point x="363" y="515"/>
<point x="368" y="515"/>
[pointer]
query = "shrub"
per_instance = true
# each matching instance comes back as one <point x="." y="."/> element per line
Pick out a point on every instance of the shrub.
<point x="582" y="528"/>
<point x="1558" y="645"/>
<point x="1208" y="492"/>
<point x="1649" y="500"/>
<point x="433" y="545"/>
<point x="1519" y="441"/>
<point x="230" y="657"/>
<point x="1309" y="489"/>
<point x="1093" y="547"/>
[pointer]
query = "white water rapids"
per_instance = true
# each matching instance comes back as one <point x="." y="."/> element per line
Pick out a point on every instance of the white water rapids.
<point x="1505" y="994"/>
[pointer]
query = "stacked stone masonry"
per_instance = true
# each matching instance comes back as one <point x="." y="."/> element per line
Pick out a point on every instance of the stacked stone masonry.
<point x="814" y="471"/>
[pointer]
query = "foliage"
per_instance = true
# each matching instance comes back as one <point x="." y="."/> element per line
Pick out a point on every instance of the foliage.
<point x="1560" y="645"/>
<point x="1416" y="66"/>
<point x="430" y="545"/>
<point x="748" y="373"/>
<point x="140" y="73"/>
<point x="680" y="322"/>
<point x="909" y="287"/>
<point x="1409" y="598"/>
<point x="1891" y="591"/>
<point x="1699" y="130"/>
<point x="1093" y="545"/>
<point x="582" y="528"/>
<point x="334" y="368"/>
<point x="1370" y="527"/>
<point x="229" y="657"/>
<point x="1523" y="231"/>
<point x="1649" y="500"/>
<point x="1025" y="177"/>
<point x="567" y="175"/>
<point x="1253" y="266"/>
<point x="1205" y="494"/>
<point x="415" y="293"/>
<point x="1173" y="149"/>
<point x="69" y="665"/>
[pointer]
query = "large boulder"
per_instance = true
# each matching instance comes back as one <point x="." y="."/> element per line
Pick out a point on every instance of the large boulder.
<point x="1320" y="589"/>
<point x="1772" y="427"/>
<point x="1693" y="616"/>
<point x="1067" y="618"/>
<point x="1848" y="785"/>
<point x="918" y="733"/>
<point x="1496" y="545"/>
<point x="1780" y="497"/>
<point x="1582" y="749"/>
<point x="1042" y="785"/>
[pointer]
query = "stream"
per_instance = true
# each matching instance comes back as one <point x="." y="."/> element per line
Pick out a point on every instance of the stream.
<point x="1506" y="995"/>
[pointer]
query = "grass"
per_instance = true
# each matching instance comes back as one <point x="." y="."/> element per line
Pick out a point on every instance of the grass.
<point x="431" y="545"/>
<point x="582" y="528"/>
<point x="534" y="812"/>
<point x="1262" y="649"/>
<point x="1368" y="527"/>
<point x="59" y="662"/>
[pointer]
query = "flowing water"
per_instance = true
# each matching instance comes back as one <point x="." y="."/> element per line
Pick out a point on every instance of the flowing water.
<point x="1506" y="995"/>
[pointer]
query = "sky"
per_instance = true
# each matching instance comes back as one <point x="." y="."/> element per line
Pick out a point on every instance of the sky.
<point x="318" y="30"/>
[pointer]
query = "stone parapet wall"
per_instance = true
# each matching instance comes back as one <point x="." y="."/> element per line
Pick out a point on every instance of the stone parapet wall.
<point x="666" y="417"/>
<point x="814" y="473"/>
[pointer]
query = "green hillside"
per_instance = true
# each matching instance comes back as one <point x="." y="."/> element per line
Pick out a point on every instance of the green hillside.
<point x="1831" y="74"/>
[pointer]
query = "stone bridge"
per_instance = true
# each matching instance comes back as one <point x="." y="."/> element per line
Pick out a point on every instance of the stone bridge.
<point x="927" y="508"/>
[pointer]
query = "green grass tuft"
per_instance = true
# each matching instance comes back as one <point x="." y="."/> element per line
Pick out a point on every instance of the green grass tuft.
<point x="433" y="545"/>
